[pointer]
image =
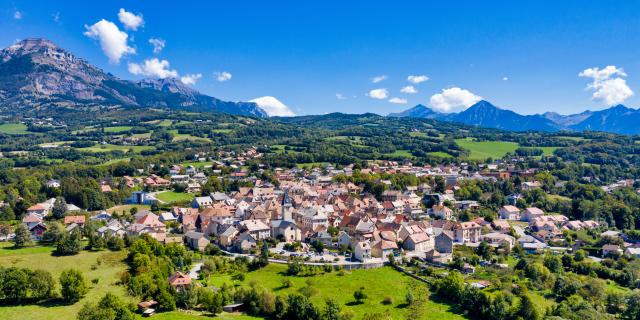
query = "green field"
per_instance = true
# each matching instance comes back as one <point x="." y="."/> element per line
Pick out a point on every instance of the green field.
<point x="481" y="150"/>
<point x="197" y="164"/>
<point x="13" y="128"/>
<point x="40" y="258"/>
<point x="113" y="147"/>
<point x="172" y="196"/>
<point x="440" y="154"/>
<point x="118" y="129"/>
<point x="400" y="154"/>
<point x="378" y="283"/>
<point x="183" y="136"/>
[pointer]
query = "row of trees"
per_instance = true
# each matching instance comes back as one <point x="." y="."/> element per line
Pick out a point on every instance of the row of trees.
<point x="22" y="285"/>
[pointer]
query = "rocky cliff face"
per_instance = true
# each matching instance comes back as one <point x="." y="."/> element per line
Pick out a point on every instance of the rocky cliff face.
<point x="36" y="74"/>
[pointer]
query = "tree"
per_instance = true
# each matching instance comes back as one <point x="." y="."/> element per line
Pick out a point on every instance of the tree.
<point x="15" y="284"/>
<point x="59" y="208"/>
<point x="528" y="308"/>
<point x="69" y="244"/>
<point x="72" y="285"/>
<point x="23" y="236"/>
<point x="359" y="295"/>
<point x="41" y="284"/>
<point x="55" y="232"/>
<point x="166" y="301"/>
<point x="331" y="310"/>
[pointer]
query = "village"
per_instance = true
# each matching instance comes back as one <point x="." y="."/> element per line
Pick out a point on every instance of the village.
<point x="308" y="215"/>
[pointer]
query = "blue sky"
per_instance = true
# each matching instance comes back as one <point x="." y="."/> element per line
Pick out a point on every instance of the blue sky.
<point x="524" y="56"/>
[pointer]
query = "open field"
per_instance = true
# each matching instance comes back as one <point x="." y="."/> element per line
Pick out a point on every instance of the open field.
<point x="118" y="129"/>
<point x="440" y="154"/>
<point x="481" y="150"/>
<point x="197" y="164"/>
<point x="40" y="258"/>
<point x="183" y="136"/>
<point x="13" y="128"/>
<point x="172" y="196"/>
<point x="128" y="207"/>
<point x="400" y="153"/>
<point x="184" y="315"/>
<point x="113" y="147"/>
<point x="378" y="283"/>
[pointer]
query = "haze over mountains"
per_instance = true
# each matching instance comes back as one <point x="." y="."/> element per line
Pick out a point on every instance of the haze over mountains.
<point x="616" y="119"/>
<point x="36" y="74"/>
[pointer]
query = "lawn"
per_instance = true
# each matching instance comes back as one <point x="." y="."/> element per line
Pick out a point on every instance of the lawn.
<point x="197" y="164"/>
<point x="14" y="128"/>
<point x="118" y="129"/>
<point x="172" y="196"/>
<point x="481" y="150"/>
<point x="113" y="147"/>
<point x="378" y="283"/>
<point x="40" y="258"/>
<point x="127" y="208"/>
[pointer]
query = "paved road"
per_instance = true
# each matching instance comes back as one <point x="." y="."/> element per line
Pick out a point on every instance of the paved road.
<point x="193" y="273"/>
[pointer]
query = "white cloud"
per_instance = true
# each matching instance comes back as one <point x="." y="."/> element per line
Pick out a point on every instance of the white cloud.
<point x="223" y="76"/>
<point x="130" y="20"/>
<point x="505" y="78"/>
<point x="112" y="40"/>
<point x="379" y="78"/>
<point x="191" y="79"/>
<point x="340" y="96"/>
<point x="409" y="90"/>
<point x="379" y="94"/>
<point x="273" y="107"/>
<point x="417" y="79"/>
<point x="607" y="84"/>
<point x="453" y="98"/>
<point x="17" y="15"/>
<point x="397" y="100"/>
<point x="158" y="44"/>
<point x="153" y="68"/>
<point x="56" y="17"/>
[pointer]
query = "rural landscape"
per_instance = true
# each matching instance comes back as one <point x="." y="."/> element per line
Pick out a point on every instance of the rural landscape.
<point x="129" y="190"/>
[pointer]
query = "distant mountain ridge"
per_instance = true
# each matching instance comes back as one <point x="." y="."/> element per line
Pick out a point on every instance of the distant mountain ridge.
<point x="617" y="119"/>
<point x="36" y="74"/>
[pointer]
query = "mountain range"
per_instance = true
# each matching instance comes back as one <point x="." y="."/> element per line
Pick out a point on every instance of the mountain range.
<point x="616" y="119"/>
<point x="36" y="74"/>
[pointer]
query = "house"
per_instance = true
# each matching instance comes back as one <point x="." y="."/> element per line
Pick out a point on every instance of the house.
<point x="530" y="214"/>
<point x="102" y="216"/>
<point x="632" y="252"/>
<point x="245" y="242"/>
<point x="501" y="225"/>
<point x="509" y="213"/>
<point x="196" y="240"/>
<point x="419" y="242"/>
<point x="444" y="242"/>
<point x="202" y="202"/>
<point x="140" y="197"/>
<point x="497" y="239"/>
<point x="530" y="185"/>
<point x="179" y="281"/>
<point x="167" y="217"/>
<point x="53" y="183"/>
<point x="37" y="209"/>
<point x="362" y="251"/>
<point x="227" y="236"/>
<point x="467" y="232"/>
<point x="344" y="239"/>
<point x="383" y="248"/>
<point x="611" y="250"/>
<point x="256" y="228"/>
<point x="37" y="231"/>
<point x="442" y="212"/>
<point x="79" y="220"/>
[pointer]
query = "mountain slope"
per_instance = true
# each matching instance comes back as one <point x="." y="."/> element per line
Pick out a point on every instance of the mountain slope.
<point x="618" y="119"/>
<point x="36" y="74"/>
<point x="419" y="111"/>
<point x="484" y="114"/>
